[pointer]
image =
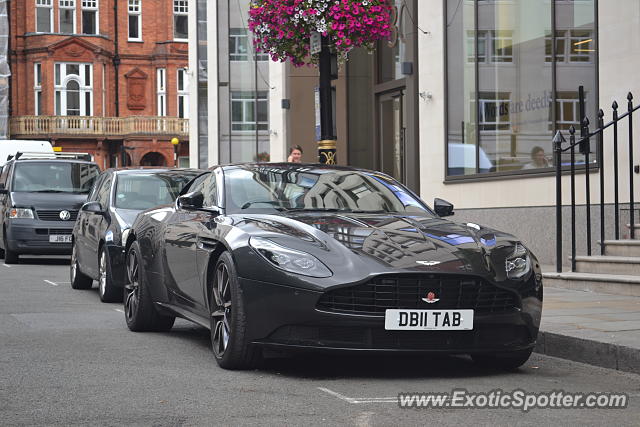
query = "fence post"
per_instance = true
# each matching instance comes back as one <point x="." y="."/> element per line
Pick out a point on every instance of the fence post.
<point x="558" y="139"/>
<point x="616" y="207"/>
<point x="587" y="164"/>
<point x="572" y="142"/>
<point x="631" y="201"/>
<point x="600" y="141"/>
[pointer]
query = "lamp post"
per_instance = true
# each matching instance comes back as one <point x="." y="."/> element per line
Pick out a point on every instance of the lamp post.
<point x="175" y="142"/>
<point x="328" y="142"/>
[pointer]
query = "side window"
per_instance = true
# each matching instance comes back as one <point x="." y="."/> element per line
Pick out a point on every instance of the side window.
<point x="210" y="192"/>
<point x="93" y="196"/>
<point x="104" y="192"/>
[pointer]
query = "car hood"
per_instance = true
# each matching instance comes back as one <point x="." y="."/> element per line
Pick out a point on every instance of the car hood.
<point x="412" y="243"/>
<point x="57" y="201"/>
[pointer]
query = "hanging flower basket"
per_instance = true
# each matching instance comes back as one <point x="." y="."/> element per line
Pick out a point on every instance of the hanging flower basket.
<point x="282" y="28"/>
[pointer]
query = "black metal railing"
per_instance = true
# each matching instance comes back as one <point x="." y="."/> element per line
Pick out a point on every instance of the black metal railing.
<point x="583" y="144"/>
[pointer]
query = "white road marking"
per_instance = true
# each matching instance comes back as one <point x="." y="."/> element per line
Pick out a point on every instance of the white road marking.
<point x="119" y="310"/>
<point x="8" y="266"/>
<point x="51" y="283"/>
<point x="359" y="399"/>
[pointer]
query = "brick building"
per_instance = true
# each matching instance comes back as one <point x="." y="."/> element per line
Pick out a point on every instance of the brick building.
<point x="108" y="77"/>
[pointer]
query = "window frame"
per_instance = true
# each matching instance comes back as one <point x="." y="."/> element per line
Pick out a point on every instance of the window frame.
<point x="247" y="102"/>
<point x="85" y="6"/>
<point x="67" y="5"/>
<point x="44" y="4"/>
<point x="161" y="92"/>
<point x="62" y="77"/>
<point x="518" y="174"/>
<point x="37" y="88"/>
<point x="134" y="9"/>
<point x="182" y="94"/>
<point x="180" y="9"/>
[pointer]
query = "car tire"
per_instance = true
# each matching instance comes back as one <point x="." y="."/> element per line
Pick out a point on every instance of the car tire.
<point x="139" y="311"/>
<point x="10" y="257"/>
<point x="503" y="361"/>
<point x="228" y="319"/>
<point x="78" y="279"/>
<point x="107" y="291"/>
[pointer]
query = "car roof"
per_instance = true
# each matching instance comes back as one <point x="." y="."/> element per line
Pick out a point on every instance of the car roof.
<point x="292" y="165"/>
<point x="150" y="170"/>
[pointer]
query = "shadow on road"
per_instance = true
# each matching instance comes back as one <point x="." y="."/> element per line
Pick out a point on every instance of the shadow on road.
<point x="315" y="366"/>
<point x="37" y="260"/>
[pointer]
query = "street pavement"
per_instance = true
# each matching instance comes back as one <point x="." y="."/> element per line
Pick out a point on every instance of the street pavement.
<point x="68" y="359"/>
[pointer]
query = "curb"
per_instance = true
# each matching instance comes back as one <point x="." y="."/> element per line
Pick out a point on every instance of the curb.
<point x="605" y="355"/>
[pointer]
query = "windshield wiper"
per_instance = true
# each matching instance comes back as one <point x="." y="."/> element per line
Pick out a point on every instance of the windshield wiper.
<point x="51" y="191"/>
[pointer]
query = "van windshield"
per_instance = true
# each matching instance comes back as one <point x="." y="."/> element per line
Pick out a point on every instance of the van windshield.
<point x="54" y="177"/>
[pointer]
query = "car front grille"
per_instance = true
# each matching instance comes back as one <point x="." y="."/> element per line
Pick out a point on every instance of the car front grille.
<point x="45" y="215"/>
<point x="407" y="292"/>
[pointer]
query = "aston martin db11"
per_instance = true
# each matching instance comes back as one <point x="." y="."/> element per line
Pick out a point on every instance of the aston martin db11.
<point x="315" y="257"/>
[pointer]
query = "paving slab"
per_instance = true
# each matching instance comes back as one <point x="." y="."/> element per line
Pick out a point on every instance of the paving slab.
<point x="590" y="327"/>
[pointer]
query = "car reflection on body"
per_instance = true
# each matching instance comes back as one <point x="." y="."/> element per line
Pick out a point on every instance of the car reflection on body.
<point x="318" y="257"/>
<point x="116" y="198"/>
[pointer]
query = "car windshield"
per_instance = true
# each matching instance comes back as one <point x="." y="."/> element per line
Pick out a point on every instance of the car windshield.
<point x="54" y="177"/>
<point x="269" y="188"/>
<point x="143" y="191"/>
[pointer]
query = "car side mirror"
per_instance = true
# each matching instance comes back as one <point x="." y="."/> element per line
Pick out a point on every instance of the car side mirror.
<point x="442" y="207"/>
<point x="191" y="201"/>
<point x="93" y="207"/>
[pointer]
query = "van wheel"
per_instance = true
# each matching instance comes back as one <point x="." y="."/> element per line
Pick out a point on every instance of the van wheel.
<point x="10" y="257"/>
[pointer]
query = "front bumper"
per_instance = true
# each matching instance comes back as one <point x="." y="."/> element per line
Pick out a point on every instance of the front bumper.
<point x="30" y="236"/>
<point x="285" y="317"/>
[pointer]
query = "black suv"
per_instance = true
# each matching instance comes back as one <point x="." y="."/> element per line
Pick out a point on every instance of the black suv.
<point x="40" y="195"/>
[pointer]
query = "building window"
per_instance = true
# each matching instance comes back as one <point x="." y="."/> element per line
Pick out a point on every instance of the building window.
<point x="44" y="16"/>
<point x="37" y="86"/>
<point x="161" y="85"/>
<point x="67" y="14"/>
<point x="135" y="20"/>
<point x="89" y="16"/>
<point x="511" y="87"/>
<point x="183" y="93"/>
<point x="244" y="111"/>
<point x="73" y="89"/>
<point x="180" y="19"/>
<point x="238" y="44"/>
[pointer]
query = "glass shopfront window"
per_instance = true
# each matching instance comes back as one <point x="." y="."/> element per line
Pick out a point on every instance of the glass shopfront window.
<point x="513" y="78"/>
<point x="243" y="87"/>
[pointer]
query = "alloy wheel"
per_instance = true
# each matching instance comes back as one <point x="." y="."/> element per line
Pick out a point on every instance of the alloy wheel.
<point x="132" y="288"/>
<point x="102" y="267"/>
<point x="222" y="311"/>
<point x="74" y="263"/>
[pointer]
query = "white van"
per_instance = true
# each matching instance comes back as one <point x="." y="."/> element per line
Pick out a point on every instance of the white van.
<point x="9" y="147"/>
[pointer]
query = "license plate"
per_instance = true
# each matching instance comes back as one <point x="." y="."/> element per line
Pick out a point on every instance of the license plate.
<point x="60" y="238"/>
<point x="421" y="320"/>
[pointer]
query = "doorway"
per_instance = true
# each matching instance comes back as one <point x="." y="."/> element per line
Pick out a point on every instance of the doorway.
<point x="392" y="134"/>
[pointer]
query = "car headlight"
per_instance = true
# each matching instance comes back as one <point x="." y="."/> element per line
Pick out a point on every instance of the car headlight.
<point x="289" y="259"/>
<point x="519" y="263"/>
<point x="20" y="213"/>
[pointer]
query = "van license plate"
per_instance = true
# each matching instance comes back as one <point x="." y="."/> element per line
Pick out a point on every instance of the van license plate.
<point x="60" y="238"/>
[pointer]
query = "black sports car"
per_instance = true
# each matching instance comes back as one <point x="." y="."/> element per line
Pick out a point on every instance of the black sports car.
<point x="297" y="256"/>
<point x="116" y="198"/>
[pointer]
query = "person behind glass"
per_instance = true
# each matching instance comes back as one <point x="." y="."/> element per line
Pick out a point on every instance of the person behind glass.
<point x="295" y="154"/>
<point x="538" y="159"/>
